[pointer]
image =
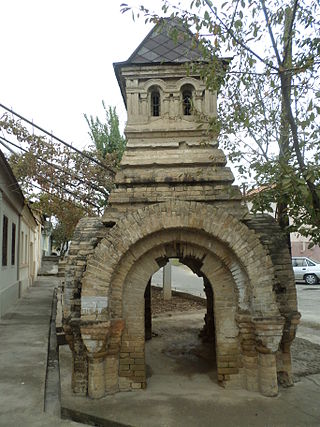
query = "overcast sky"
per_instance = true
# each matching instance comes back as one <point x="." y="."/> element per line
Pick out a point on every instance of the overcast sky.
<point x="57" y="60"/>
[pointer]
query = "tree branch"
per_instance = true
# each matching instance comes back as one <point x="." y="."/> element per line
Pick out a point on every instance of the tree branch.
<point x="287" y="43"/>
<point x="238" y="41"/>
<point x="274" y="44"/>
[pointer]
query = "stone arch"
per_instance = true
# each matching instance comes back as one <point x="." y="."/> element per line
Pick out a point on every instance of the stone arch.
<point x="226" y="230"/>
<point x="155" y="82"/>
<point x="189" y="81"/>
<point x="219" y="236"/>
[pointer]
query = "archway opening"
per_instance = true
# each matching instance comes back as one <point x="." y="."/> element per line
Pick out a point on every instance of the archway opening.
<point x="179" y="325"/>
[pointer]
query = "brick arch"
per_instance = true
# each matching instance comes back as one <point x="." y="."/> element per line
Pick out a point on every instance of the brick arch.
<point x="138" y="232"/>
<point x="229" y="253"/>
<point x="224" y="299"/>
<point x="188" y="243"/>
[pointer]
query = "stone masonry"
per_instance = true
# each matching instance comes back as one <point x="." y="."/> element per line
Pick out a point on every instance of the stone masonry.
<point x="174" y="197"/>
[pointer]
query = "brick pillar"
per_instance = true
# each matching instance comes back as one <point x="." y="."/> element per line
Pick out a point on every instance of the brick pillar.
<point x="250" y="358"/>
<point x="147" y="312"/>
<point x="284" y="367"/>
<point x="79" y="381"/>
<point x="112" y="373"/>
<point x="268" y="333"/>
<point x="208" y="331"/>
<point x="268" y="381"/>
<point x="96" y="380"/>
<point x="167" y="281"/>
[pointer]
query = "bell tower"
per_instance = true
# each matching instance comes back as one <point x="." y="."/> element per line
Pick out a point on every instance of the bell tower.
<point x="174" y="198"/>
<point x="170" y="152"/>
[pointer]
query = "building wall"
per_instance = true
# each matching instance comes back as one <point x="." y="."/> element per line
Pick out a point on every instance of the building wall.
<point x="300" y="247"/>
<point x="46" y="239"/>
<point x="37" y="246"/>
<point x="20" y="240"/>
<point x="28" y="250"/>
<point x="9" y="281"/>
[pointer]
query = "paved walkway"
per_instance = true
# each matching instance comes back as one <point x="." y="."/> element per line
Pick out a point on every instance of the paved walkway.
<point x="23" y="359"/>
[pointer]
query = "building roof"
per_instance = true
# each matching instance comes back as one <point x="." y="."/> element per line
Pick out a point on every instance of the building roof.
<point x="169" y="41"/>
<point x="14" y="188"/>
<point x="11" y="188"/>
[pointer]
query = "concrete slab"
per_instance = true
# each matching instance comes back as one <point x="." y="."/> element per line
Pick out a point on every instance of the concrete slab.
<point x="183" y="391"/>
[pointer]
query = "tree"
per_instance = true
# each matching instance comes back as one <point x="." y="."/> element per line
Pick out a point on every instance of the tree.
<point x="106" y="136"/>
<point x="62" y="182"/>
<point x="269" y="105"/>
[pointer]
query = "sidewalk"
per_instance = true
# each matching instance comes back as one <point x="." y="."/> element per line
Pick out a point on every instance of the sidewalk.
<point x="23" y="359"/>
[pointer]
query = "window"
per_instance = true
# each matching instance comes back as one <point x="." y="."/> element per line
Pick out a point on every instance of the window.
<point x="5" y="241"/>
<point x="187" y="100"/>
<point x="13" y="244"/>
<point x="299" y="262"/>
<point x="155" y="103"/>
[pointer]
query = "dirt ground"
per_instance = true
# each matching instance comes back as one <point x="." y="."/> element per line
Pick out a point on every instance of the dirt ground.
<point x="179" y="338"/>
<point x="178" y="303"/>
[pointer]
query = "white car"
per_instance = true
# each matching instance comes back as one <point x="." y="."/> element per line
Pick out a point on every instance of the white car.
<point x="306" y="269"/>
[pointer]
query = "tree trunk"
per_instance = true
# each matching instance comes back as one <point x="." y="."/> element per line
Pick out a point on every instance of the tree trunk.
<point x="284" y="140"/>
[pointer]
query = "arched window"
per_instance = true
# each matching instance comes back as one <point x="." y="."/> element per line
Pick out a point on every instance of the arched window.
<point x="155" y="102"/>
<point x="187" y="100"/>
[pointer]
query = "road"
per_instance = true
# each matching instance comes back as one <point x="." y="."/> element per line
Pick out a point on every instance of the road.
<point x="183" y="279"/>
<point x="309" y="307"/>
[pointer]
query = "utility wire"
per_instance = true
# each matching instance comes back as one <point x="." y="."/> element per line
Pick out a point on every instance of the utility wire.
<point x="91" y="185"/>
<point x="63" y="188"/>
<point x="8" y="148"/>
<point x="53" y="195"/>
<point x="58" y="139"/>
<point x="67" y="191"/>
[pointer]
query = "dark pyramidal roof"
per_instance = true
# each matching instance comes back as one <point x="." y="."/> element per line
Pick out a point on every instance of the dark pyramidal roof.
<point x="169" y="41"/>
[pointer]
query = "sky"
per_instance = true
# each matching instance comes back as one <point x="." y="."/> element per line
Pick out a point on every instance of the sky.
<point x="57" y="58"/>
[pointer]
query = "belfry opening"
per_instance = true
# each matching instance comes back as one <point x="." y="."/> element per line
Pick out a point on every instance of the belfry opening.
<point x="174" y="197"/>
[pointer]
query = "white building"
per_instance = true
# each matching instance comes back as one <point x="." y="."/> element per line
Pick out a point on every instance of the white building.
<point x="20" y="240"/>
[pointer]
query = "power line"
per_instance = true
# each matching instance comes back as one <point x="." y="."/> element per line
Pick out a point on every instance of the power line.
<point x="66" y="190"/>
<point x="53" y="195"/>
<point x="91" y="185"/>
<point x="8" y="148"/>
<point x="56" y="184"/>
<point x="58" y="139"/>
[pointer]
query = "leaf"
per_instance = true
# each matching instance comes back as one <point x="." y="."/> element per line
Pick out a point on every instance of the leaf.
<point x="238" y="23"/>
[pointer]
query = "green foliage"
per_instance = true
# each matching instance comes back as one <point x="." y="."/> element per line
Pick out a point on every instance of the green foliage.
<point x="106" y="135"/>
<point x="269" y="106"/>
<point x="61" y="182"/>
